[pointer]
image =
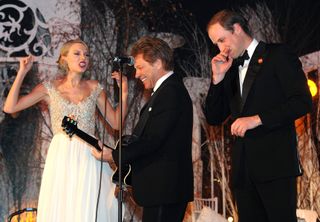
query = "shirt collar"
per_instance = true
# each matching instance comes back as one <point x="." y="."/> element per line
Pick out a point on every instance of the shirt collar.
<point x="252" y="47"/>
<point x="161" y="80"/>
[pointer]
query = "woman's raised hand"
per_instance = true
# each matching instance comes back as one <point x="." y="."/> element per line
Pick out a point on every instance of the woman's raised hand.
<point x="26" y="64"/>
<point x="116" y="75"/>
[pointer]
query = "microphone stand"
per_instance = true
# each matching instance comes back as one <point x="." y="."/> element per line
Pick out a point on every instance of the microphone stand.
<point x="120" y="194"/>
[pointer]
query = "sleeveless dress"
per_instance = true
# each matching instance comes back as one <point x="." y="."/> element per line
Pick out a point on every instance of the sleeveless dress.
<point x="71" y="176"/>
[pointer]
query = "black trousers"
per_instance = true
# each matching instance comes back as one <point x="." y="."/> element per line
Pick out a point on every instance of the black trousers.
<point x="164" y="213"/>
<point x="272" y="201"/>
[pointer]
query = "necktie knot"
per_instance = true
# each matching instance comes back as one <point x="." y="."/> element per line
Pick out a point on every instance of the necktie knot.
<point x="240" y="60"/>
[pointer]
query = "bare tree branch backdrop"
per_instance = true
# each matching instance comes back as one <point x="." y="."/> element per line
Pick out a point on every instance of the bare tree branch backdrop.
<point x="110" y="27"/>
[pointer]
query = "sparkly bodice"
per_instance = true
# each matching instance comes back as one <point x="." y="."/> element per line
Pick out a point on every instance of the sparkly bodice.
<point x="83" y="112"/>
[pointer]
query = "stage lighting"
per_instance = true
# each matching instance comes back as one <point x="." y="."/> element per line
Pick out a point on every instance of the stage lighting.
<point x="312" y="87"/>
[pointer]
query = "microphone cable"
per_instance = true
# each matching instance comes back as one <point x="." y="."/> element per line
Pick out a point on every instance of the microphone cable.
<point x="101" y="162"/>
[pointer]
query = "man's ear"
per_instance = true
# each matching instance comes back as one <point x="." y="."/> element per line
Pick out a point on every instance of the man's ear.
<point x="237" y="28"/>
<point x="158" y="64"/>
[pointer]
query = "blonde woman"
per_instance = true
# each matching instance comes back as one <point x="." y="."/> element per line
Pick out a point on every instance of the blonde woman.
<point x="70" y="182"/>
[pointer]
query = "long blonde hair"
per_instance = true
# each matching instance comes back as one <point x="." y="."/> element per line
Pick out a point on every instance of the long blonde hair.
<point x="63" y="66"/>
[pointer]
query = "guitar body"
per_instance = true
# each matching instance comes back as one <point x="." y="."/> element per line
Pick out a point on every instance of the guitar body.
<point x="125" y="168"/>
<point x="70" y="127"/>
<point x="125" y="175"/>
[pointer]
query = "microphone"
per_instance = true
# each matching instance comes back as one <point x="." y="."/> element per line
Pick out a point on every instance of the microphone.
<point x="124" y="60"/>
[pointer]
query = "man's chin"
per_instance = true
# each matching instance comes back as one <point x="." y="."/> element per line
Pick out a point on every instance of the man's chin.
<point x="146" y="86"/>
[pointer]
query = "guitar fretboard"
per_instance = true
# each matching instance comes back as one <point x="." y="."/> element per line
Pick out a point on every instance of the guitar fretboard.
<point x="89" y="139"/>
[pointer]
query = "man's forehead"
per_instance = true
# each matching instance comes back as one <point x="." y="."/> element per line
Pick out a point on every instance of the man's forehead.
<point x="216" y="31"/>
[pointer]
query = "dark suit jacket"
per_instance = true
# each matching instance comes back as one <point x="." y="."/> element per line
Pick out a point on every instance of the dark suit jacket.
<point x="276" y="89"/>
<point x="161" y="157"/>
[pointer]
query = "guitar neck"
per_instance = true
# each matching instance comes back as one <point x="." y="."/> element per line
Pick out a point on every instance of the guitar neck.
<point x="89" y="139"/>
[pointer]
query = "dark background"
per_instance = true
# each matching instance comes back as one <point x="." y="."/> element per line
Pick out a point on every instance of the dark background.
<point x="298" y="20"/>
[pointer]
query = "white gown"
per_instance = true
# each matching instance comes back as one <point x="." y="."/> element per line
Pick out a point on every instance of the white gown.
<point x="70" y="181"/>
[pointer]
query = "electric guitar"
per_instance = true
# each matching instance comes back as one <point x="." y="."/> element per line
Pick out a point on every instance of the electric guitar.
<point x="69" y="125"/>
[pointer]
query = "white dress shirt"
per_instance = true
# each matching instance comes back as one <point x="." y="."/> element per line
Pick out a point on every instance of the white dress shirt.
<point x="243" y="69"/>
<point x="161" y="80"/>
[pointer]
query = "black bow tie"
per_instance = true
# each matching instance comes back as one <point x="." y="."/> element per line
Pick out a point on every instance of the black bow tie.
<point x="240" y="60"/>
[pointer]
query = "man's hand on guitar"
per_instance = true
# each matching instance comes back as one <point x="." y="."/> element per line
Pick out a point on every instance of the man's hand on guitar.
<point x="69" y="125"/>
<point x="106" y="154"/>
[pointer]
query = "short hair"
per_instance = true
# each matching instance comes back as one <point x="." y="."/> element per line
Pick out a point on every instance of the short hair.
<point x="64" y="51"/>
<point x="152" y="49"/>
<point x="227" y="18"/>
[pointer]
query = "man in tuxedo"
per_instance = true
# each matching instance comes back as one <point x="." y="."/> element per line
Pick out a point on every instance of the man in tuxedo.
<point x="263" y="88"/>
<point x="160" y="154"/>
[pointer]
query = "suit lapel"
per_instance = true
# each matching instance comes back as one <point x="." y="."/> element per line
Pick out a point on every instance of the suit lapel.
<point x="253" y="69"/>
<point x="147" y="109"/>
<point x="149" y="103"/>
<point x="234" y="95"/>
